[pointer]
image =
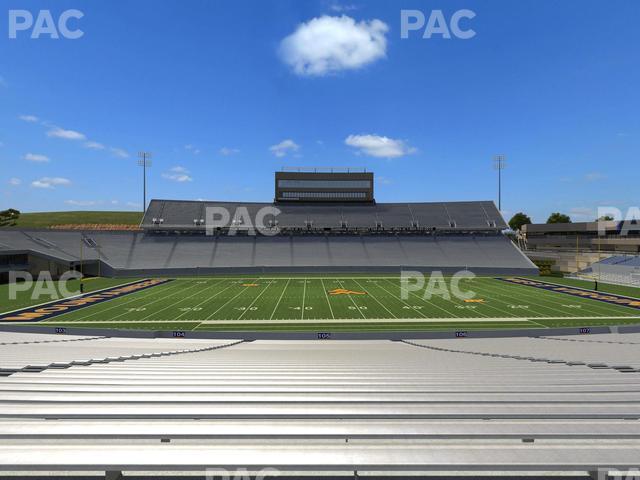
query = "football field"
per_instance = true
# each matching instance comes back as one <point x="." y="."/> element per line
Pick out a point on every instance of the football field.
<point x="341" y="303"/>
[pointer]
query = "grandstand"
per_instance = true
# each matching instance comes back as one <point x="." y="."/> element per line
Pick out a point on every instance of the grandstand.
<point x="186" y="237"/>
<point x="617" y="269"/>
<point x="128" y="254"/>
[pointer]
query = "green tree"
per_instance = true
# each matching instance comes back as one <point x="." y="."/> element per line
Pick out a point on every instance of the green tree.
<point x="518" y="220"/>
<point x="8" y="217"/>
<point x="605" y="218"/>
<point x="557" y="217"/>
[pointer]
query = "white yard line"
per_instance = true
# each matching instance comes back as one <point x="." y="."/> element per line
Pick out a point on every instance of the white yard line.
<point x="168" y="306"/>
<point x="374" y="297"/>
<point x="150" y="292"/>
<point x="427" y="302"/>
<point x="405" y="303"/>
<point x="352" y="301"/>
<point x="254" y="301"/>
<point x="304" y="294"/>
<point x="279" y="300"/>
<point x="596" y="308"/>
<point x="207" y="299"/>
<point x="231" y="299"/>
<point x="326" y="295"/>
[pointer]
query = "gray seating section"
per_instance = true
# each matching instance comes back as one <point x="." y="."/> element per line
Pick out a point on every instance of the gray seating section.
<point x="20" y="350"/>
<point x="133" y="253"/>
<point x="482" y="215"/>
<point x="337" y="408"/>
<point x="620" y="269"/>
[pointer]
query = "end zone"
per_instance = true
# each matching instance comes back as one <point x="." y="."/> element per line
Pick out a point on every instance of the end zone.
<point x="59" y="307"/>
<point x="611" y="298"/>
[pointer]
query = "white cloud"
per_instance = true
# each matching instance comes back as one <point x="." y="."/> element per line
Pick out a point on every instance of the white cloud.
<point x="51" y="182"/>
<point x="28" y="118"/>
<point x="336" y="7"/>
<point x="118" y="152"/>
<point x="178" y="174"/>
<point x="14" y="182"/>
<point x="192" y="149"/>
<point x="383" y="180"/>
<point x="284" y="147"/>
<point x="594" y="176"/>
<point x="226" y="151"/>
<point x="94" y="145"/>
<point x="177" y="177"/>
<point x="582" y="214"/>
<point x="330" y="44"/>
<point x="377" y="146"/>
<point x="134" y="204"/>
<point x="36" y="157"/>
<point x="58" y="132"/>
<point x="82" y="203"/>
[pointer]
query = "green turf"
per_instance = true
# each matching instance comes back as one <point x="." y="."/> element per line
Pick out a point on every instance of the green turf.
<point x="47" y="219"/>
<point x="26" y="298"/>
<point x="278" y="304"/>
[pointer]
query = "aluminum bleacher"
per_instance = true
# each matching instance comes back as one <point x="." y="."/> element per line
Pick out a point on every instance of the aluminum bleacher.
<point x="134" y="253"/>
<point x="620" y="269"/>
<point x="336" y="408"/>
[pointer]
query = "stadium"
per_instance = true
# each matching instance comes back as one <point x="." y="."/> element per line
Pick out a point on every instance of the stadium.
<point x="319" y="239"/>
<point x="323" y="255"/>
<point x="208" y="342"/>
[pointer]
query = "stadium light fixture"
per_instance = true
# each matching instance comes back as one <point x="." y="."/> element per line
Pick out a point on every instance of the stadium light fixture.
<point x="499" y="163"/>
<point x="144" y="162"/>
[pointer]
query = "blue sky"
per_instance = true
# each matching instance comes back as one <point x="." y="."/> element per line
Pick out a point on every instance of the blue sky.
<point x="214" y="90"/>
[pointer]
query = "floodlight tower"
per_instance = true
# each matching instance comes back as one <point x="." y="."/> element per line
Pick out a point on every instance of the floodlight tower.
<point x="144" y="162"/>
<point x="499" y="163"/>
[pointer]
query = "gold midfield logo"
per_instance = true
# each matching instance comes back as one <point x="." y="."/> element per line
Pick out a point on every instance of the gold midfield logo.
<point x="344" y="291"/>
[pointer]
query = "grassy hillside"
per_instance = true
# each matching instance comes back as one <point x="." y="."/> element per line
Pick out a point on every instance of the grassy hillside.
<point x="46" y="219"/>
